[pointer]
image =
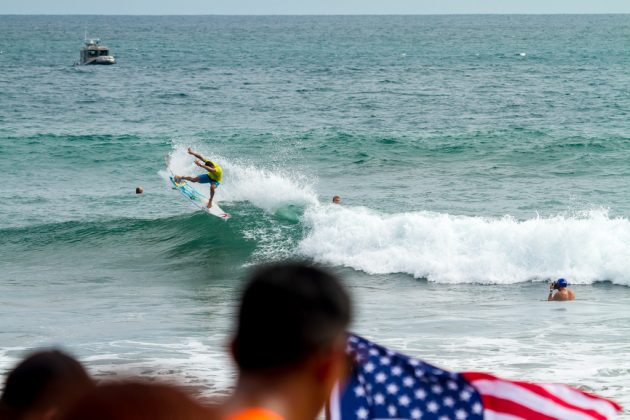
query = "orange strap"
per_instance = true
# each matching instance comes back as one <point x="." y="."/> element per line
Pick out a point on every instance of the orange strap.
<point x="254" y="414"/>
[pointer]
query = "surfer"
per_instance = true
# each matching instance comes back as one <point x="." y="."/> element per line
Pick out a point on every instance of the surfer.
<point x="336" y="200"/>
<point x="563" y="292"/>
<point x="213" y="176"/>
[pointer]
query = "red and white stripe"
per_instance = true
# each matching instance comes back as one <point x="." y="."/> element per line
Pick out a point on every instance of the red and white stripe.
<point x="510" y="400"/>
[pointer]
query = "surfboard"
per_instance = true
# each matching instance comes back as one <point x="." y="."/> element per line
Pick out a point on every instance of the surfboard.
<point x="198" y="199"/>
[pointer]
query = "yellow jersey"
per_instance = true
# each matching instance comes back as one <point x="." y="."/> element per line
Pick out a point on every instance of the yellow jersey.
<point x="218" y="174"/>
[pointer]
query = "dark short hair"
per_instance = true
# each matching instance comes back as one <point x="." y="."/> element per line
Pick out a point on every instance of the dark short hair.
<point x="209" y="163"/>
<point x="48" y="377"/>
<point x="288" y="312"/>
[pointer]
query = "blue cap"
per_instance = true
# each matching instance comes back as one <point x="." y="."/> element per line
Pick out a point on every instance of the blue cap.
<point x="561" y="283"/>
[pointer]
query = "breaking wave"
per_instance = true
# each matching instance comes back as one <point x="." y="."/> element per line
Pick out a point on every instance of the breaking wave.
<point x="443" y="248"/>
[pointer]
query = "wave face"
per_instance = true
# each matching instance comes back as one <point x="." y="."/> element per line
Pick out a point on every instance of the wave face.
<point x="443" y="248"/>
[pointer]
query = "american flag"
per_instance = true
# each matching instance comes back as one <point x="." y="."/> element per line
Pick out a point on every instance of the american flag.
<point x="389" y="385"/>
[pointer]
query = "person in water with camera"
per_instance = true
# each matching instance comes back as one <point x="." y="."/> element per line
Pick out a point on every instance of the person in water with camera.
<point x="562" y="291"/>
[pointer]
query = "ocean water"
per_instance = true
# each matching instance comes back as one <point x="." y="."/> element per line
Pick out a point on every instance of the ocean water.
<point x="478" y="157"/>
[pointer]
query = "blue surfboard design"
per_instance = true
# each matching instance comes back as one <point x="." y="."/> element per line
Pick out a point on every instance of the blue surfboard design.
<point x="198" y="199"/>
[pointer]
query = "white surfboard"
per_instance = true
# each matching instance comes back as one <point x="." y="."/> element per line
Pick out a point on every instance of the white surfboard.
<point x="198" y="199"/>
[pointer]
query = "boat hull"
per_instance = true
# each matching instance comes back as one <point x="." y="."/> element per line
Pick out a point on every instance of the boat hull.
<point x="103" y="60"/>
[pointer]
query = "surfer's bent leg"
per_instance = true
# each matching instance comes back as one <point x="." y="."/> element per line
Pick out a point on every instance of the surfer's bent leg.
<point x="187" y="178"/>
<point x="212" y="188"/>
<point x="205" y="179"/>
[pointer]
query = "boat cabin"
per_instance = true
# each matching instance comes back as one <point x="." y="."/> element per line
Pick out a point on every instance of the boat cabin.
<point x="94" y="53"/>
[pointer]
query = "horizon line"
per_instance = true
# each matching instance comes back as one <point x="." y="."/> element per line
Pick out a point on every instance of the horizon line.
<point x="324" y="14"/>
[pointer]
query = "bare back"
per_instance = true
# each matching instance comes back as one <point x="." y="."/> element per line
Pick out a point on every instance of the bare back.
<point x="564" y="294"/>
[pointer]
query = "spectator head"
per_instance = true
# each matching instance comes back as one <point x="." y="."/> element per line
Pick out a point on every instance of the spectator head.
<point x="43" y="385"/>
<point x="292" y="324"/>
<point x="137" y="401"/>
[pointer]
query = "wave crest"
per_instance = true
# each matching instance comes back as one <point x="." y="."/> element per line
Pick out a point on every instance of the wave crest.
<point x="458" y="249"/>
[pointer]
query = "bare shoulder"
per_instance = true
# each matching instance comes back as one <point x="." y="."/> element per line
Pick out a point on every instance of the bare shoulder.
<point x="564" y="296"/>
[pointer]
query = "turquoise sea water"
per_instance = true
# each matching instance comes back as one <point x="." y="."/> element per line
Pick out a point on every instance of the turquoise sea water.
<point x="477" y="158"/>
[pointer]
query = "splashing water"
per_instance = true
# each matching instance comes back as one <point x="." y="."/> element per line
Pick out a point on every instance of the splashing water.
<point x="267" y="189"/>
<point x="457" y="249"/>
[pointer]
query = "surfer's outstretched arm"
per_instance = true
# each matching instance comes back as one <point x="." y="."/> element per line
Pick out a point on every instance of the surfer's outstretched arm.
<point x="206" y="167"/>
<point x="195" y="154"/>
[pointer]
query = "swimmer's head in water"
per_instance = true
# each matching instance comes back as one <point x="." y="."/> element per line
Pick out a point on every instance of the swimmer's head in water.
<point x="560" y="283"/>
<point x="336" y="199"/>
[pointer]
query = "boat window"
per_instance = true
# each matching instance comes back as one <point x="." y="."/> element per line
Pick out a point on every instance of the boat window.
<point x="104" y="52"/>
<point x="93" y="53"/>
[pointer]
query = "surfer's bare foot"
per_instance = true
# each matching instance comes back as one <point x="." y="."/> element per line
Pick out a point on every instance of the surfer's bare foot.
<point x="177" y="178"/>
<point x="209" y="204"/>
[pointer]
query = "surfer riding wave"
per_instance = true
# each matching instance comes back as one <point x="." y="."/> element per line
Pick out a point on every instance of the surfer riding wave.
<point x="214" y="174"/>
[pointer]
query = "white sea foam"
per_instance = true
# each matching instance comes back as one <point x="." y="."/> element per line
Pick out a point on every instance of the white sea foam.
<point x="189" y="362"/>
<point x="458" y="249"/>
<point x="443" y="248"/>
<point x="203" y="365"/>
<point x="268" y="189"/>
